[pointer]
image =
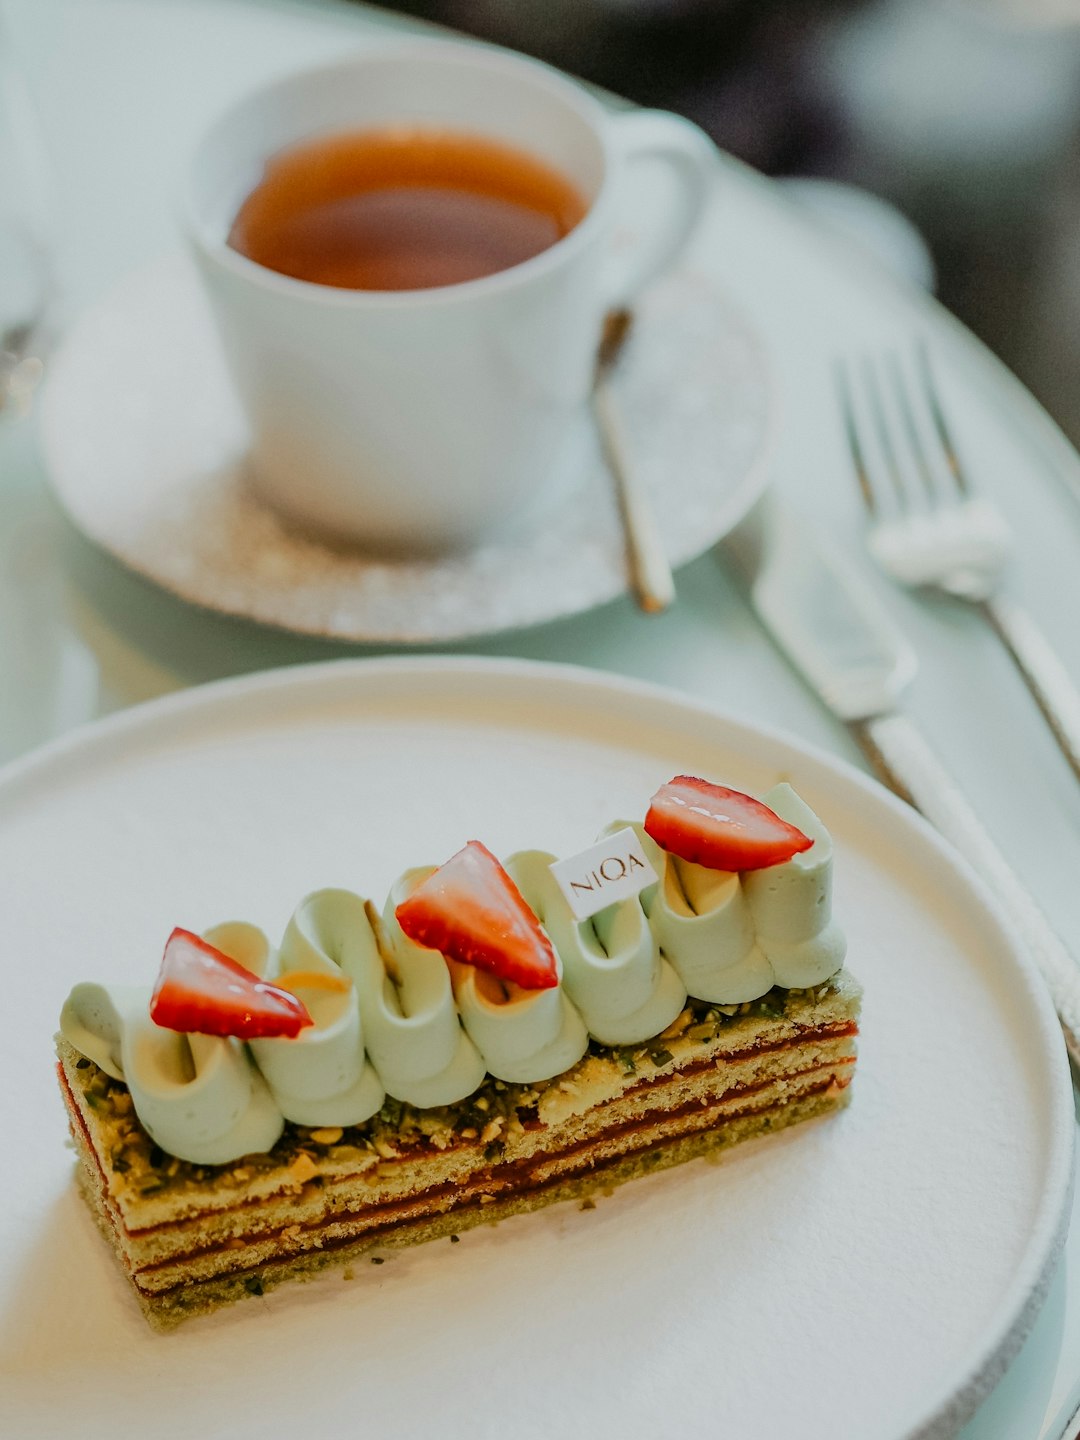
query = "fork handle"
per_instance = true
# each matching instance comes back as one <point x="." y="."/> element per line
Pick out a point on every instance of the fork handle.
<point x="902" y="756"/>
<point x="1043" y="673"/>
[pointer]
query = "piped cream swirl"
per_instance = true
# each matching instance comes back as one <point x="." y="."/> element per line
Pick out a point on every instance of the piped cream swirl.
<point x="522" y="1035"/>
<point x="423" y="1029"/>
<point x="792" y="903"/>
<point x="411" y="1029"/>
<point x="732" y="937"/>
<point x="321" y="1077"/>
<point x="703" y="925"/>
<point x="197" y="1096"/>
<point x="611" y="963"/>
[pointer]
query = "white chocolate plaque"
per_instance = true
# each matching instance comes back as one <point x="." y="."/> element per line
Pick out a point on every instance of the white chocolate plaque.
<point x="613" y="869"/>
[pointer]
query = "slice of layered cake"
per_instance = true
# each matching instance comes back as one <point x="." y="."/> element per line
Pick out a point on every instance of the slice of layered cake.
<point x="500" y="1037"/>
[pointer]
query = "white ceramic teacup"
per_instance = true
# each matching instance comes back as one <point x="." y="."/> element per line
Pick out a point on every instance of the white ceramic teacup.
<point x="427" y="419"/>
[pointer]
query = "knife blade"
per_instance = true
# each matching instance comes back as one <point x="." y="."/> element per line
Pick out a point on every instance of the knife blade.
<point x="839" y="638"/>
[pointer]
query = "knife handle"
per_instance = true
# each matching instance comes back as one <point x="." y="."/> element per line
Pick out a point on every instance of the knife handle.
<point x="907" y="763"/>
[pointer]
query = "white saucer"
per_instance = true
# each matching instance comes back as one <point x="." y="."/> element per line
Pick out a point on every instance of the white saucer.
<point x="145" y="445"/>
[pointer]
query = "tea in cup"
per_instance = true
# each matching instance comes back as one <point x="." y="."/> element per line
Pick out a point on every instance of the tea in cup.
<point x="403" y="208"/>
<point x="409" y="255"/>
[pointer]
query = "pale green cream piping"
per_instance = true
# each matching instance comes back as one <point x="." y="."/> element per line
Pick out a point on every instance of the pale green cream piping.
<point x="197" y="1096"/>
<point x="321" y="1077"/>
<point x="411" y="1028"/>
<point x="425" y="1030"/>
<point x="792" y="903"/>
<point x="611" y="963"/>
<point x="521" y="1035"/>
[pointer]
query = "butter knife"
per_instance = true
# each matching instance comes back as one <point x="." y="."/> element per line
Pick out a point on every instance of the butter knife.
<point x="831" y="627"/>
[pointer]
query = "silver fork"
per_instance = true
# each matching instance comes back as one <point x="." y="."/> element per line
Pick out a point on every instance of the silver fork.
<point x="930" y="530"/>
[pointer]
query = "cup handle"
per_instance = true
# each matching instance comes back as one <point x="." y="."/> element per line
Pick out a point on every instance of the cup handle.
<point x="658" y="137"/>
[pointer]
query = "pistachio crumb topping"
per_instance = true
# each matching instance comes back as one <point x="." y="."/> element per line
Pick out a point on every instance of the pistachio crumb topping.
<point x="678" y="1025"/>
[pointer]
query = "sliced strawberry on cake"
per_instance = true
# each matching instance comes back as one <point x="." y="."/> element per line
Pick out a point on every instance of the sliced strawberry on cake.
<point x="719" y="828"/>
<point x="472" y="911"/>
<point x="201" y="990"/>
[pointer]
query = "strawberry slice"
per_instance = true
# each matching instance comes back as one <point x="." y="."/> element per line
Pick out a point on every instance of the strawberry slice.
<point x="719" y="828"/>
<point x="199" y="989"/>
<point x="473" y="912"/>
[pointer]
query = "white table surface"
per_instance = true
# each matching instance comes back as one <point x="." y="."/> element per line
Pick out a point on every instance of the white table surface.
<point x="124" y="86"/>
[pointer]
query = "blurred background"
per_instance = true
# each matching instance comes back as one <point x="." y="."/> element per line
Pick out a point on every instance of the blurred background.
<point x="964" y="115"/>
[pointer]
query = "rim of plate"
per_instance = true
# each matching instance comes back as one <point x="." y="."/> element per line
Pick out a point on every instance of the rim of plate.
<point x="993" y="1348"/>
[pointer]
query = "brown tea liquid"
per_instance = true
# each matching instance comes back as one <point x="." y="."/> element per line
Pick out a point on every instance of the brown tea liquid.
<point x="402" y="208"/>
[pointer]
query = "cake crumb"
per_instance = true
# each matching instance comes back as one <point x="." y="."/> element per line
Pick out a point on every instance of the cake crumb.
<point x="455" y="1239"/>
<point x="303" y="1168"/>
<point x="327" y="1135"/>
<point x="491" y="1130"/>
<point x="588" y="1203"/>
<point x="378" y="1260"/>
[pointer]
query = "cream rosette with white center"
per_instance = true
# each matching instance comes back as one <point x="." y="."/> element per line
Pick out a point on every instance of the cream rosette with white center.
<point x="704" y="926"/>
<point x="523" y="1036"/>
<point x="197" y="1096"/>
<point x="612" y="967"/>
<point x="320" y="1076"/>
<point x="792" y="903"/>
<point x="410" y="1026"/>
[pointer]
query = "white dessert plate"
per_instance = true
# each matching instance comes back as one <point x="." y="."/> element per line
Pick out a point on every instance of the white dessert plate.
<point x="866" y="1275"/>
<point x="145" y="445"/>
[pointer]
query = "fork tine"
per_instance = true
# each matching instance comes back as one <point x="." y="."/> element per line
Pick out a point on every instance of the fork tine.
<point x="937" y="415"/>
<point x="884" y="432"/>
<point x="902" y="392"/>
<point x="851" y="431"/>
